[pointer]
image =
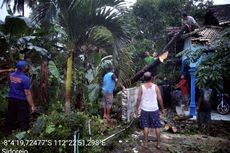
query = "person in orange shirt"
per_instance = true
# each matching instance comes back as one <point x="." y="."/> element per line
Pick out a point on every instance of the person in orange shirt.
<point x="183" y="85"/>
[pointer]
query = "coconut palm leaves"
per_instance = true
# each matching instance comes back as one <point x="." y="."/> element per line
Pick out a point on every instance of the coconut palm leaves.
<point x="46" y="11"/>
<point x="19" y="5"/>
<point x="80" y="17"/>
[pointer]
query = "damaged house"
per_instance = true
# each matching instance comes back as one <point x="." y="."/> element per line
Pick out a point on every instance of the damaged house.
<point x="198" y="45"/>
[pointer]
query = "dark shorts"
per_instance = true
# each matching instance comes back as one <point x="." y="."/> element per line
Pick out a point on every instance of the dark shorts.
<point x="107" y="100"/>
<point x="150" y="119"/>
<point x="203" y="117"/>
<point x="18" y="111"/>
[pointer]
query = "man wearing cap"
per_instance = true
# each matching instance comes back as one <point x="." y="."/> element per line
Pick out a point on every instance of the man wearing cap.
<point x="19" y="98"/>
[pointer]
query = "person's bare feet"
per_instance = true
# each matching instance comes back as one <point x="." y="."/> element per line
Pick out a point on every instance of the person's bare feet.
<point x="145" y="145"/>
<point x="106" y="122"/>
<point x="108" y="119"/>
<point x="158" y="146"/>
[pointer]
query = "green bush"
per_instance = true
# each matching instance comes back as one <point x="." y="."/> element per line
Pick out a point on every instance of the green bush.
<point x="3" y="101"/>
<point x="56" y="127"/>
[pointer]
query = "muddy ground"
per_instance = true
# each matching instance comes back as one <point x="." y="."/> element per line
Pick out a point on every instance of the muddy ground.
<point x="188" y="139"/>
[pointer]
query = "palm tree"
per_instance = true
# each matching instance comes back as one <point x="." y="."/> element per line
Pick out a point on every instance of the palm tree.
<point x="19" y="5"/>
<point x="79" y="18"/>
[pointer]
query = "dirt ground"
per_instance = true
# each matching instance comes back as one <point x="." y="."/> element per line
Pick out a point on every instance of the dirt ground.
<point x="188" y="139"/>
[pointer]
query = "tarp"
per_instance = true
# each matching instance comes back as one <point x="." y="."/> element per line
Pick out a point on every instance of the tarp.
<point x="129" y="100"/>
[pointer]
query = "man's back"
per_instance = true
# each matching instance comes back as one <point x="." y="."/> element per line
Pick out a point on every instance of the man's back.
<point x="108" y="83"/>
<point x="149" y="97"/>
<point x="18" y="83"/>
<point x="191" y="22"/>
<point x="148" y="59"/>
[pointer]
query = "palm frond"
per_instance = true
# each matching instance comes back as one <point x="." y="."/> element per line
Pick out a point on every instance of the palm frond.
<point x="99" y="39"/>
<point x="19" y="4"/>
<point x="126" y="65"/>
<point x="79" y="17"/>
<point x="84" y="15"/>
<point x="45" y="11"/>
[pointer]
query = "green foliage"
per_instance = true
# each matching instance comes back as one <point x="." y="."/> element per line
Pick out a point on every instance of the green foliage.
<point x="100" y="37"/>
<point x="197" y="8"/>
<point x="20" y="135"/>
<point x="126" y="65"/>
<point x="138" y="48"/>
<point x="54" y="70"/>
<point x="16" y="26"/>
<point x="18" y="5"/>
<point x="93" y="30"/>
<point x="3" y="100"/>
<point x="39" y="124"/>
<point x="57" y="127"/>
<point x="93" y="92"/>
<point x="153" y="17"/>
<point x="79" y="24"/>
<point x="10" y="31"/>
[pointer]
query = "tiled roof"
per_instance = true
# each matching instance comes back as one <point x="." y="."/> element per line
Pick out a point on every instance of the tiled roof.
<point x="221" y="13"/>
<point x="208" y="34"/>
<point x="203" y="34"/>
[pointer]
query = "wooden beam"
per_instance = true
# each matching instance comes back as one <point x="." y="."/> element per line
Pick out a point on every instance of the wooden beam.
<point x="192" y="33"/>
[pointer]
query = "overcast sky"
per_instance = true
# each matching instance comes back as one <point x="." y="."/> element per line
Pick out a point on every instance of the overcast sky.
<point x="3" y="12"/>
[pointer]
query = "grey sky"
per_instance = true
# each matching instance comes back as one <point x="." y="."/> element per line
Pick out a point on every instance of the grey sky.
<point x="3" y="11"/>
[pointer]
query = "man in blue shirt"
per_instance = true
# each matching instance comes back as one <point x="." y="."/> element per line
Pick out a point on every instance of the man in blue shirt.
<point x="19" y="98"/>
<point x="109" y="82"/>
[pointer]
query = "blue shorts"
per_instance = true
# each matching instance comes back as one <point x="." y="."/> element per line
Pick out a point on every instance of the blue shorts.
<point x="150" y="119"/>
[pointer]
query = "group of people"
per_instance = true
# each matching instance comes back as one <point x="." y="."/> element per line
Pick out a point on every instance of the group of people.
<point x="149" y="95"/>
<point x="148" y="58"/>
<point x="149" y="98"/>
<point x="204" y="95"/>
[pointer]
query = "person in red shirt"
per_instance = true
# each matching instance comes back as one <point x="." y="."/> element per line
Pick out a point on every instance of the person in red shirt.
<point x="183" y="85"/>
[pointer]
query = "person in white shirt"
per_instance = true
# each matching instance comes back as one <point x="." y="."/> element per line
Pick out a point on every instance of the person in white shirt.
<point x="149" y="96"/>
<point x="189" y="21"/>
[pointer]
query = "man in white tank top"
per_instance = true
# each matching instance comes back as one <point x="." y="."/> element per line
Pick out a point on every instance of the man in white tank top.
<point x="149" y="96"/>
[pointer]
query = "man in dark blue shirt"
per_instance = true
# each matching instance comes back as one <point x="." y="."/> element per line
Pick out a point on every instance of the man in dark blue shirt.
<point x="19" y="99"/>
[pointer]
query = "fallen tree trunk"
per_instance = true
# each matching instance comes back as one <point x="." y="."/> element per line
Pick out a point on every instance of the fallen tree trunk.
<point x="177" y="118"/>
<point x="156" y="62"/>
<point x="169" y="127"/>
<point x="167" y="123"/>
<point x="174" y="129"/>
